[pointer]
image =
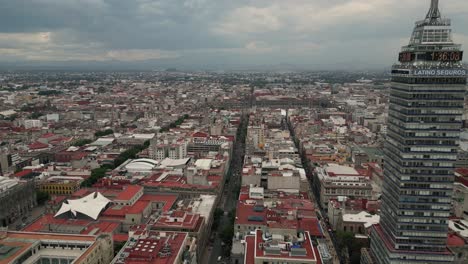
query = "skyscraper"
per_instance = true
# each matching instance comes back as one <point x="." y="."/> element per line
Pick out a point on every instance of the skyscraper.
<point x="424" y="122"/>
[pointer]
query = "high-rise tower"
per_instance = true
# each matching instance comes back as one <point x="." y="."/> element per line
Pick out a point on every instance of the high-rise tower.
<point x="424" y="122"/>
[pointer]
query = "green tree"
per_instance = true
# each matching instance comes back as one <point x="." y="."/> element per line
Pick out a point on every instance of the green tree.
<point x="49" y="92"/>
<point x="36" y="115"/>
<point x="82" y="142"/>
<point x="227" y="234"/>
<point x="96" y="174"/>
<point x="175" y="124"/>
<point x="128" y="154"/>
<point x="118" y="246"/>
<point x="104" y="133"/>
<point x="344" y="239"/>
<point x="42" y="197"/>
<point x="101" y="90"/>
<point x="347" y="240"/>
<point x="12" y="117"/>
<point x="218" y="213"/>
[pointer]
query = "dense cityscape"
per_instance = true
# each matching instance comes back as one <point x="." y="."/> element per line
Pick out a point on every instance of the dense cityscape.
<point x="240" y="167"/>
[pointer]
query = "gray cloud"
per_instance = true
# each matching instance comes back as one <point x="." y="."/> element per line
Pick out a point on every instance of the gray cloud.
<point x="215" y="32"/>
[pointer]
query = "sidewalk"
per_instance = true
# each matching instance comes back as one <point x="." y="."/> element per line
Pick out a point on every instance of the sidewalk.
<point x="330" y="245"/>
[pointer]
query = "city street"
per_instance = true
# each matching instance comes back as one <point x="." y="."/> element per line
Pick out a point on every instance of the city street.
<point x="229" y="200"/>
<point x="329" y="235"/>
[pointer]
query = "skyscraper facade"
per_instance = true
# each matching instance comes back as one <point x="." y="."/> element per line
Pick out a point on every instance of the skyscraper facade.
<point x="424" y="122"/>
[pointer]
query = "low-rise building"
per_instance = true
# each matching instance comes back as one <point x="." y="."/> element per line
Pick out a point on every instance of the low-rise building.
<point x="343" y="205"/>
<point x="60" y="185"/>
<point x="29" y="248"/>
<point x="183" y="221"/>
<point x="334" y="180"/>
<point x="357" y="223"/>
<point x="153" y="247"/>
<point x="264" y="247"/>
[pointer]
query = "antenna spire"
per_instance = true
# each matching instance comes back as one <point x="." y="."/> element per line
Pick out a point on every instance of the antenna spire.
<point x="434" y="12"/>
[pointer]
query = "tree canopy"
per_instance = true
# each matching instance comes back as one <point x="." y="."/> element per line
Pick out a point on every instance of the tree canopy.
<point x="104" y="133"/>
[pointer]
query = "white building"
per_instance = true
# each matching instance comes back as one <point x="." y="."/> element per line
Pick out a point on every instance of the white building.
<point x="160" y="151"/>
<point x="358" y="223"/>
<point x="334" y="180"/>
<point x="29" y="248"/>
<point x="53" y="117"/>
<point x="32" y="123"/>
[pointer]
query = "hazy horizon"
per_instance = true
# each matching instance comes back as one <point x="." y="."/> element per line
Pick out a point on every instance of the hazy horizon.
<point x="214" y="34"/>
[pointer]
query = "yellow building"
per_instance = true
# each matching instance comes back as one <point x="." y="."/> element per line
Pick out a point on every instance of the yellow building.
<point x="61" y="185"/>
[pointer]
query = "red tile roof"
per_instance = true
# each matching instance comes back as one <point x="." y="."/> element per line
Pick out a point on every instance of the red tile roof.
<point x="120" y="237"/>
<point x="454" y="240"/>
<point x="120" y="211"/>
<point x="319" y="258"/>
<point x="180" y="185"/>
<point x="312" y="225"/>
<point x="42" y="223"/>
<point x="249" y="257"/>
<point x="103" y="227"/>
<point x="48" y="135"/>
<point x="168" y="200"/>
<point x="200" y="135"/>
<point x="244" y="211"/>
<point x="307" y="245"/>
<point x="23" y="173"/>
<point x="146" y="251"/>
<point x="81" y="192"/>
<point x="178" y="214"/>
<point x="38" y="145"/>
<point x="59" y="140"/>
<point x="128" y="192"/>
<point x="190" y="222"/>
<point x="462" y="171"/>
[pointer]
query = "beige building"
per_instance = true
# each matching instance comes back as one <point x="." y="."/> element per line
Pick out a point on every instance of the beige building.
<point x="357" y="223"/>
<point x="334" y="180"/>
<point x="284" y="180"/>
<point x="146" y="246"/>
<point x="460" y="200"/>
<point x="31" y="248"/>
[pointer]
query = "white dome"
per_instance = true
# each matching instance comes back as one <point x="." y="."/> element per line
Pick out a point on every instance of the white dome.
<point x="141" y="165"/>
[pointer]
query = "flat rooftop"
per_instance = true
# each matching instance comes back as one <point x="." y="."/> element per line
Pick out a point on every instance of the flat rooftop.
<point x="274" y="250"/>
<point x="14" y="244"/>
<point x="158" y="248"/>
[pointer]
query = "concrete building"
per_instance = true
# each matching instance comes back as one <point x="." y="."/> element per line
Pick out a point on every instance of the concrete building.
<point x="183" y="221"/>
<point x="32" y="123"/>
<point x="31" y="248"/>
<point x="6" y="161"/>
<point x="425" y="119"/>
<point x="263" y="248"/>
<point x="357" y="223"/>
<point x="343" y="205"/>
<point x="160" y="151"/>
<point x="460" y="200"/>
<point x="17" y="198"/>
<point x="335" y="180"/>
<point x="60" y="185"/>
<point x="153" y="247"/>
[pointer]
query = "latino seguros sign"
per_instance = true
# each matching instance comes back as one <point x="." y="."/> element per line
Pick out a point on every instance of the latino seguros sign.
<point x="440" y="72"/>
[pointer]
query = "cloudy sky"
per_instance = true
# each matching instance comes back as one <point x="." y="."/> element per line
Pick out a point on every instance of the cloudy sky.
<point x="221" y="33"/>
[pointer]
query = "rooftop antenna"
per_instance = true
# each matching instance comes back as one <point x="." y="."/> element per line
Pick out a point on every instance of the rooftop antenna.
<point x="434" y="13"/>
